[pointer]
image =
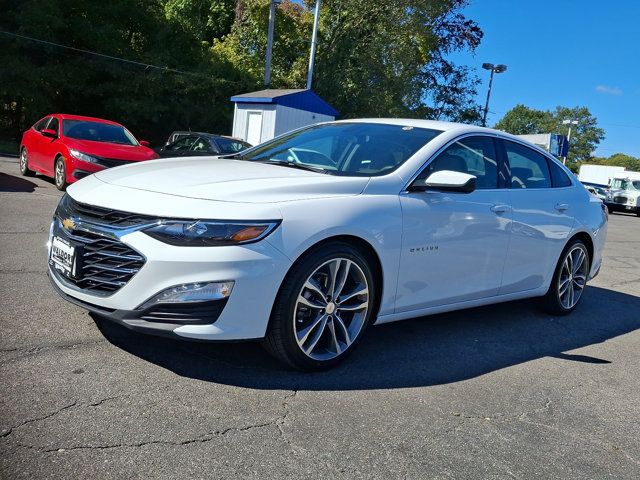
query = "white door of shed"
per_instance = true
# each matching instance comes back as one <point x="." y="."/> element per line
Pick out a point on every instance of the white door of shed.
<point x="254" y="127"/>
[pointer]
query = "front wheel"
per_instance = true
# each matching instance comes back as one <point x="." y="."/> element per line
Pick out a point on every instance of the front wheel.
<point x="323" y="308"/>
<point x="60" y="174"/>
<point x="24" y="164"/>
<point x="569" y="280"/>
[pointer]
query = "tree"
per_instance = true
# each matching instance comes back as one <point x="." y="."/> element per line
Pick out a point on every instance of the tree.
<point x="522" y="120"/>
<point x="374" y="57"/>
<point x="585" y="136"/>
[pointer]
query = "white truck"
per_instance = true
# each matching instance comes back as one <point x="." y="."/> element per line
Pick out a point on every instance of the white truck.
<point x="599" y="175"/>
<point x="624" y="186"/>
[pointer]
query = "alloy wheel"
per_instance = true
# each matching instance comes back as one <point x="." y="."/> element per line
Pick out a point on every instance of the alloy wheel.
<point x="24" y="166"/>
<point x="573" y="277"/>
<point x="331" y="309"/>
<point x="60" y="173"/>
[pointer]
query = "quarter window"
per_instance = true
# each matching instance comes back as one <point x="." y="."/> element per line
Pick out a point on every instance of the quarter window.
<point x="558" y="176"/>
<point x="54" y="125"/>
<point x="41" y="125"/>
<point x="473" y="155"/>
<point x="529" y="169"/>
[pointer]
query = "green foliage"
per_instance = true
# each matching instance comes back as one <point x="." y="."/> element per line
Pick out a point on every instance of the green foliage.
<point x="374" y="58"/>
<point x="585" y="136"/>
<point x="38" y="79"/>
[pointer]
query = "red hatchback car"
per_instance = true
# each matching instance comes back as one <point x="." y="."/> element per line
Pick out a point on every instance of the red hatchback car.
<point x="70" y="147"/>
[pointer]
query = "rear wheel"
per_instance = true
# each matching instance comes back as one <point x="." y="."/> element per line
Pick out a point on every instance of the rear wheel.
<point x="60" y="174"/>
<point x="24" y="164"/>
<point x="323" y="308"/>
<point x="569" y="280"/>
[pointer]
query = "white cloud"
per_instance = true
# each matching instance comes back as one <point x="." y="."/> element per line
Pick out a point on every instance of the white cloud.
<point x="608" y="90"/>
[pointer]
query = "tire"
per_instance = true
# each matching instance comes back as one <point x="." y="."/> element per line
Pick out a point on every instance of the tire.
<point x="60" y="174"/>
<point x="308" y="329"/>
<point x="557" y="300"/>
<point x="24" y="164"/>
<point x="610" y="210"/>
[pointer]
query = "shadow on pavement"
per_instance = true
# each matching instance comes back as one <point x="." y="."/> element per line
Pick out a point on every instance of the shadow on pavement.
<point x="431" y="350"/>
<point x="11" y="183"/>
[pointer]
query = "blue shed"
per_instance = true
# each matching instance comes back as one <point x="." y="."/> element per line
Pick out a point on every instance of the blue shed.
<point x="263" y="115"/>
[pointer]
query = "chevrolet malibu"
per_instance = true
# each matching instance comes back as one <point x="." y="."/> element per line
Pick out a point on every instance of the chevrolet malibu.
<point x="306" y="240"/>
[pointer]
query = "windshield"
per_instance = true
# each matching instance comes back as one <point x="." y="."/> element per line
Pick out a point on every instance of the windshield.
<point x="230" y="145"/>
<point x="348" y="149"/>
<point x="97" y="132"/>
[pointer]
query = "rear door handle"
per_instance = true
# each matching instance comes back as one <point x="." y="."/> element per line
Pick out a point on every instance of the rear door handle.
<point x="500" y="208"/>
<point x="561" y="207"/>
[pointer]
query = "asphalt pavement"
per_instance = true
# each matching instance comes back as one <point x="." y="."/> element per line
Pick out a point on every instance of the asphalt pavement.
<point x="495" y="392"/>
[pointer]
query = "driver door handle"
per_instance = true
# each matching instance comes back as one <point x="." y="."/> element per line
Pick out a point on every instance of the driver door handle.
<point x="500" y="208"/>
<point x="561" y="207"/>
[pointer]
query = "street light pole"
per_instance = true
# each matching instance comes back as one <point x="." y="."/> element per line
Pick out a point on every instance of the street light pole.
<point x="272" y="20"/>
<point x="314" y="43"/>
<point x="494" y="69"/>
<point x="571" y="123"/>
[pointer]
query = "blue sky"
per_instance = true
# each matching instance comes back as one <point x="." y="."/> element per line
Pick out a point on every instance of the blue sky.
<point x="570" y="53"/>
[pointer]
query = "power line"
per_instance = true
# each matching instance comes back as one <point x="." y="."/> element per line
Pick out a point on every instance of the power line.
<point x="118" y="59"/>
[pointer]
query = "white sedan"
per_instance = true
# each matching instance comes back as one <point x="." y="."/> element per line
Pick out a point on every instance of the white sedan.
<point x="306" y="240"/>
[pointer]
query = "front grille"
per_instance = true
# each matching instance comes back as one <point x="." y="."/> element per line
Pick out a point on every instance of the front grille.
<point x="619" y="199"/>
<point x="105" y="264"/>
<point x="106" y="216"/>
<point x="112" y="162"/>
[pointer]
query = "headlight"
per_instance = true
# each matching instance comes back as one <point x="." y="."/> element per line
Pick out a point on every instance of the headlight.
<point x="201" y="233"/>
<point x="83" y="156"/>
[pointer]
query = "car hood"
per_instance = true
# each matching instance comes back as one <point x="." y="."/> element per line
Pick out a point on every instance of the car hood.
<point x="115" y="151"/>
<point x="212" y="178"/>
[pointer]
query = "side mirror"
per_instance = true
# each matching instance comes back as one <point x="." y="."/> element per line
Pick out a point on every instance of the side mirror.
<point x="47" y="132"/>
<point x="144" y="143"/>
<point x="445" y="181"/>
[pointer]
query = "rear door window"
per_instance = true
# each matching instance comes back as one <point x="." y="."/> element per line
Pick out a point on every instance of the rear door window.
<point x="529" y="169"/>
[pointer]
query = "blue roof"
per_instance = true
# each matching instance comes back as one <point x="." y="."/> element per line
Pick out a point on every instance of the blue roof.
<point x="294" y="98"/>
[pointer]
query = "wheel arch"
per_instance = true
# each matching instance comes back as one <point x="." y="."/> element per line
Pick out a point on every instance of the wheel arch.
<point x="586" y="239"/>
<point x="363" y="246"/>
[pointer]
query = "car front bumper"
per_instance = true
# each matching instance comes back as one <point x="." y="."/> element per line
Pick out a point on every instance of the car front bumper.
<point x="257" y="271"/>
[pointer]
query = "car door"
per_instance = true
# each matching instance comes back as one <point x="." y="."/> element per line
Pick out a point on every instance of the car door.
<point x="51" y="146"/>
<point x="454" y="244"/>
<point x="541" y="195"/>
<point x="38" y="145"/>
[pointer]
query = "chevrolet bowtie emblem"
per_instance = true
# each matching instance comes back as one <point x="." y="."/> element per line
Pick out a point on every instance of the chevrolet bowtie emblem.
<point x="68" y="224"/>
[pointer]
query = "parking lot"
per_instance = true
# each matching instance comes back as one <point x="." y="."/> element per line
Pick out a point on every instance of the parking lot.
<point x="494" y="392"/>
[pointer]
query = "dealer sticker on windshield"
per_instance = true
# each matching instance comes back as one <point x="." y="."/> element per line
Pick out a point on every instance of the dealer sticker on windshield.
<point x="63" y="256"/>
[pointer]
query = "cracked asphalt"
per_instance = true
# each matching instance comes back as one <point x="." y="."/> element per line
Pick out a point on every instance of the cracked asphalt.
<point x="495" y="392"/>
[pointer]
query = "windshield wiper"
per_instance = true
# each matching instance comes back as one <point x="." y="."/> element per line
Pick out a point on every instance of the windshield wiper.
<point x="300" y="166"/>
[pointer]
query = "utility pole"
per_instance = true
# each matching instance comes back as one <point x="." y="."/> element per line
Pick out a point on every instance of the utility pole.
<point x="272" y="20"/>
<point x="571" y="123"/>
<point x="314" y="42"/>
<point x="494" y="69"/>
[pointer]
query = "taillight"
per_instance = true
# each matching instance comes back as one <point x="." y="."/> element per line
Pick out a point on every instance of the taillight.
<point x="605" y="210"/>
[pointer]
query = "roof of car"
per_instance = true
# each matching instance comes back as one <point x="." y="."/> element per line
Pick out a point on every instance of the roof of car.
<point x="67" y="116"/>
<point x="205" y="134"/>
<point x="420" y="123"/>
